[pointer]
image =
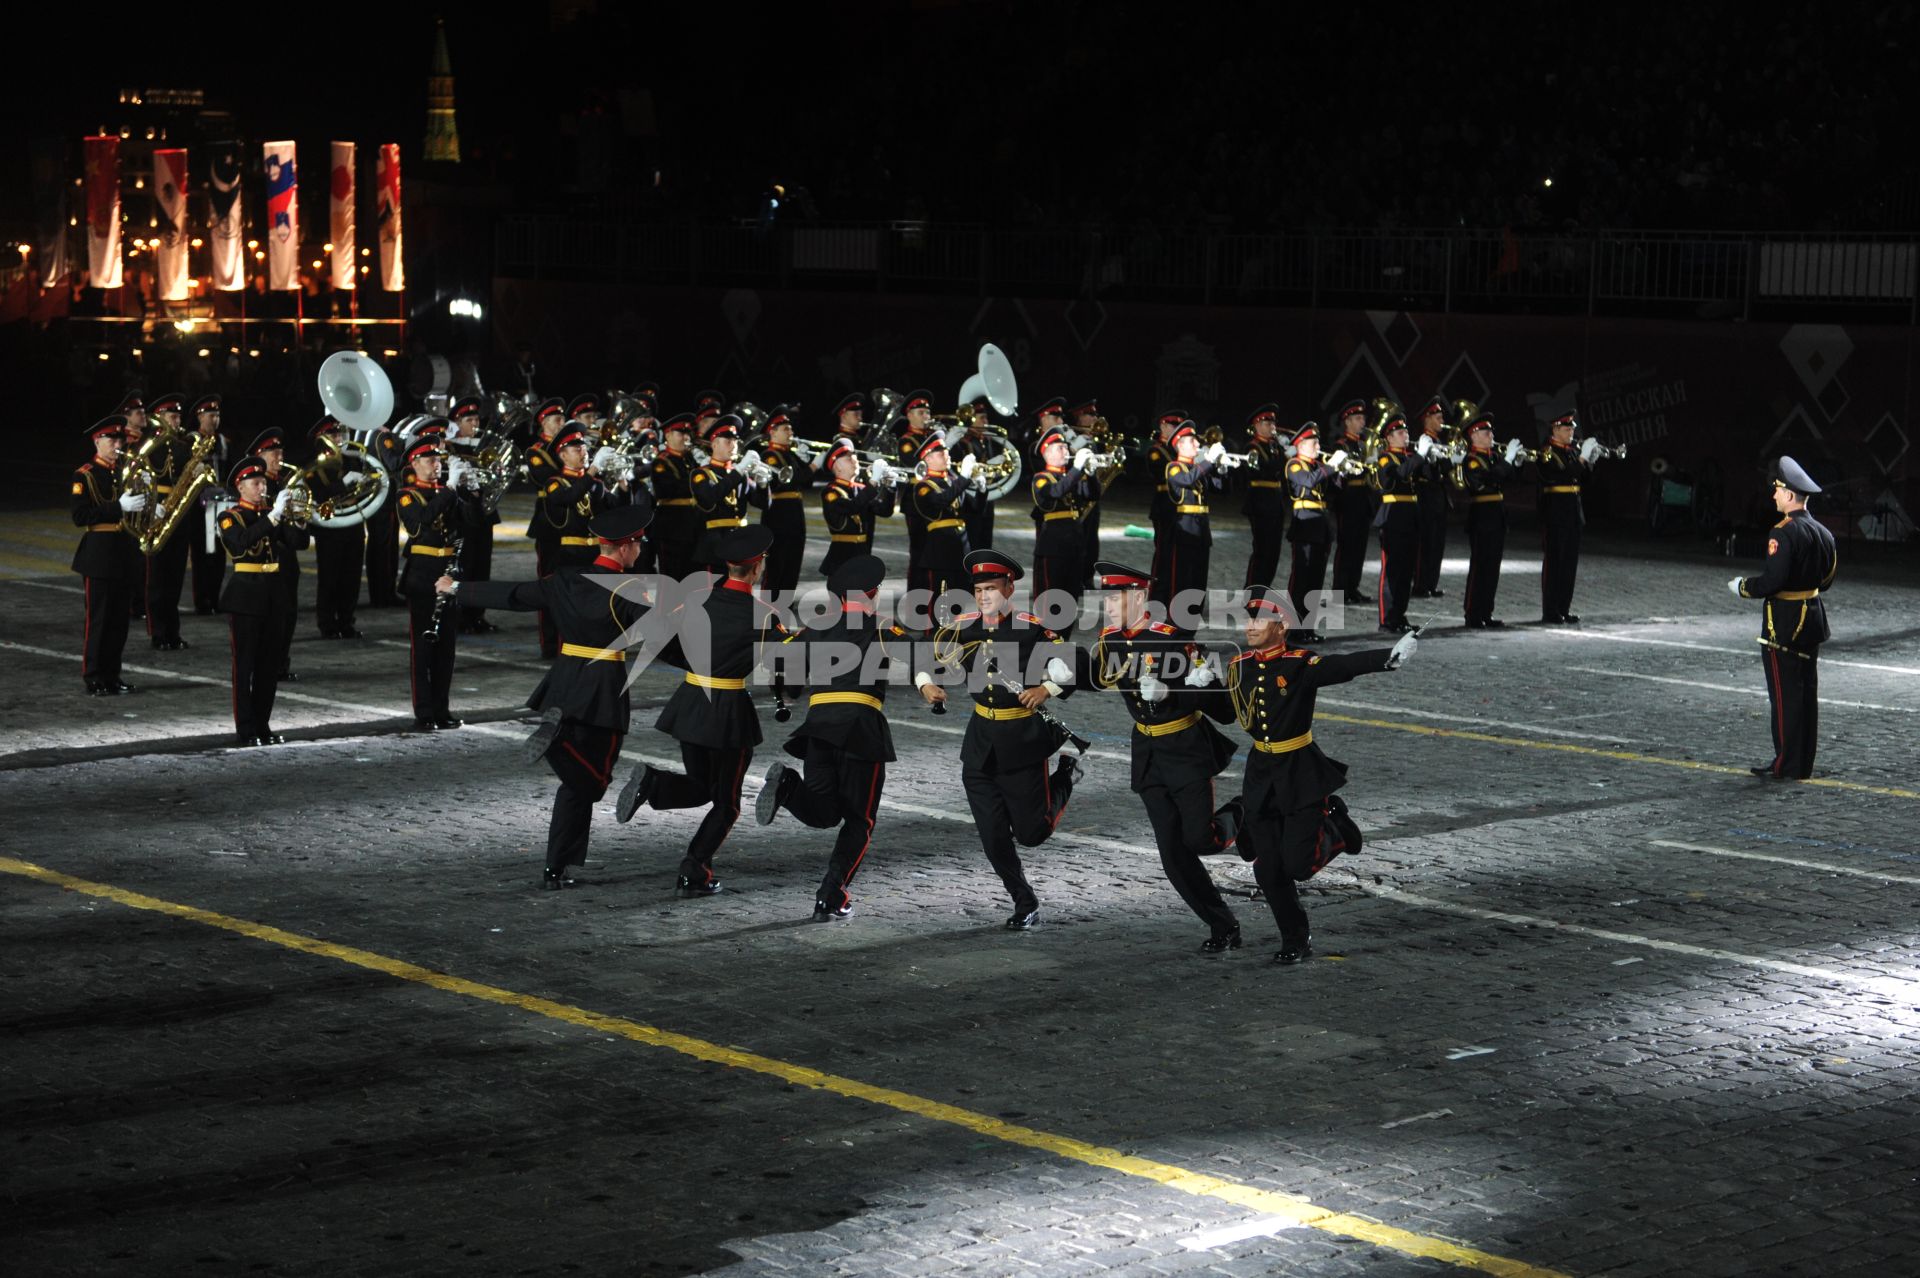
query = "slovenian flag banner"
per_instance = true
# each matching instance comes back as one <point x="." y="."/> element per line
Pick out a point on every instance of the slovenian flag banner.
<point x="103" y="211"/>
<point x="170" y="195"/>
<point x="341" y="188"/>
<point x="393" y="272"/>
<point x="283" y="217"/>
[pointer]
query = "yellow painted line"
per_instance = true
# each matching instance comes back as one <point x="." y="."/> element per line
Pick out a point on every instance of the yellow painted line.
<point x="1628" y="756"/>
<point x="1296" y="1210"/>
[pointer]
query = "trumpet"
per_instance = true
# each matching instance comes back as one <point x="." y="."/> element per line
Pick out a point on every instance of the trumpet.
<point x="889" y="473"/>
<point x="760" y="474"/>
<point x="300" y="503"/>
<point x="1614" y="452"/>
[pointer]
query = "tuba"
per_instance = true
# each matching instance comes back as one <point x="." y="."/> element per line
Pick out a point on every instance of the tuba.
<point x="356" y="392"/>
<point x="151" y="528"/>
<point x="999" y="466"/>
<point x="1453" y="438"/>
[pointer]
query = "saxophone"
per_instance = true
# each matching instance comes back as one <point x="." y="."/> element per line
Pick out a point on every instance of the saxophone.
<point x="152" y="527"/>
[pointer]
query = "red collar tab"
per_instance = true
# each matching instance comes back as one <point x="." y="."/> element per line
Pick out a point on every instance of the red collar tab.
<point x="737" y="583"/>
<point x="612" y="565"/>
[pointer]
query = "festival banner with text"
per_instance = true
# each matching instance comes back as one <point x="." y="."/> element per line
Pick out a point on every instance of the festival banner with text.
<point x="103" y="211"/>
<point x="283" y="217"/>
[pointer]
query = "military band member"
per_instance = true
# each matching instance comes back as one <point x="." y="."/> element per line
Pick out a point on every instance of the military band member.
<point x="1267" y="502"/>
<point x="1354" y="505"/>
<point x="1312" y="482"/>
<point x="202" y="535"/>
<point x="1194" y="478"/>
<point x="570" y="500"/>
<point x="383" y="534"/>
<point x="844" y="744"/>
<point x="1062" y="495"/>
<point x="786" y="509"/>
<point x="106" y="558"/>
<point x="585" y="409"/>
<point x="1011" y="666"/>
<point x="436" y="517"/>
<point x="677" y="525"/>
<point x="852" y="508"/>
<point x="711" y="713"/>
<point x="1485" y="474"/>
<point x="1160" y="455"/>
<point x="584" y="699"/>
<point x="942" y="498"/>
<point x="916" y="412"/>
<point x="709" y="407"/>
<point x="337" y="552"/>
<point x="1176" y="752"/>
<point x="847" y="418"/>
<point x="1083" y="416"/>
<point x="543" y="464"/>
<point x="166" y="568"/>
<point x="261" y="541"/>
<point x="1396" y="472"/>
<point x="973" y="442"/>
<point x="133" y="407"/>
<point x="1559" y="470"/>
<point x="1801" y="563"/>
<point x="722" y="493"/>
<point x="1292" y="822"/>
<point x="476" y="550"/>
<point x="1431" y="488"/>
<point x="271" y="448"/>
<point x="549" y="419"/>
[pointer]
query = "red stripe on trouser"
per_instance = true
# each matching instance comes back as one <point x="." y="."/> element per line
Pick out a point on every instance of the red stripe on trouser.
<point x="1046" y="796"/>
<point x="1383" y="585"/>
<point x="413" y="666"/>
<point x="86" y="629"/>
<point x="233" y="669"/>
<point x="600" y="775"/>
<point x="149" y="581"/>
<point x="872" y="803"/>
<point x="1779" y="691"/>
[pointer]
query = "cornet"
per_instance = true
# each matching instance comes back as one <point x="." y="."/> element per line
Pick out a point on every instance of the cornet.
<point x="1617" y="452"/>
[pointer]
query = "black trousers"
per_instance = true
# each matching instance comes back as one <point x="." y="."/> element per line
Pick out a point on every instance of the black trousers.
<point x="1089" y="541"/>
<point x="383" y="556"/>
<point x="1021" y="807"/>
<point x="545" y="559"/>
<point x="1432" y="544"/>
<point x="712" y="777"/>
<point x="838" y="789"/>
<point x="582" y="756"/>
<point x="1161" y="591"/>
<point x="430" y="661"/>
<point x="1059" y="572"/>
<point x="103" y="634"/>
<point x="1264" y="560"/>
<point x="1486" y="546"/>
<point x="166" y="572"/>
<point x="255" y="644"/>
<point x="1282" y="843"/>
<point x="476" y="564"/>
<point x="676" y="559"/>
<point x="287" y="581"/>
<point x="1353" y="518"/>
<point x="1559" y="557"/>
<point x="1184" y="831"/>
<point x="1793" y="692"/>
<point x="980" y="528"/>
<point x="943" y="563"/>
<point x="337" y="554"/>
<point x="1187" y="566"/>
<point x="1308" y="574"/>
<point x="788" y="549"/>
<point x="1399" y="544"/>
<point x="209" y="566"/>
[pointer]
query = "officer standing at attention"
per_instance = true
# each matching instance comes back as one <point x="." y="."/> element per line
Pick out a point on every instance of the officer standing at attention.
<point x="437" y="517"/>
<point x="1266" y="493"/>
<point x="259" y="539"/>
<point x="1354" y="505"/>
<point x="1313" y="482"/>
<point x="106" y="557"/>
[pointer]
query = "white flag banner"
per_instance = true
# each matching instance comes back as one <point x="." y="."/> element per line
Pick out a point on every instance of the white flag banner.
<point x="228" y="232"/>
<point x="170" y="198"/>
<point x="103" y="211"/>
<point x="393" y="271"/>
<point x="283" y="217"/>
<point x="344" y="273"/>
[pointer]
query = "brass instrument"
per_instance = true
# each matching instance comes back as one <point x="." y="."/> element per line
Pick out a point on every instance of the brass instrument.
<point x="300" y="503"/>
<point x="1613" y="452"/>
<point x="510" y="413"/>
<point x="759" y="473"/>
<point x="153" y="526"/>
<point x="1453" y="439"/>
<point x="753" y="417"/>
<point x="863" y="472"/>
<point x="1107" y="443"/>
<point x="498" y="465"/>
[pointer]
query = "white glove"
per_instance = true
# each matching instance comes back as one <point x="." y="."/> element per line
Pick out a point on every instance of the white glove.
<point x="747" y="460"/>
<point x="1083" y="460"/>
<point x="605" y="456"/>
<point x="1514" y="449"/>
<point x="1151" y="690"/>
<point x="1291" y="451"/>
<point x="1733" y="588"/>
<point x="880" y="472"/>
<point x="352" y="477"/>
<point x="968" y="465"/>
<point x="1425" y="446"/>
<point x="1214" y="453"/>
<point x="1402" y="652"/>
<point x="1059" y="671"/>
<point x="1202" y="675"/>
<point x="953" y="435"/>
<point x="1338" y="459"/>
<point x="131" y="502"/>
<point x="280" y="504"/>
<point x="804" y="453"/>
<point x="1589" y="450"/>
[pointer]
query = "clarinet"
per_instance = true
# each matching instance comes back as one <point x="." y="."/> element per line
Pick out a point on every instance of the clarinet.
<point x="1080" y="744"/>
<point x="443" y="604"/>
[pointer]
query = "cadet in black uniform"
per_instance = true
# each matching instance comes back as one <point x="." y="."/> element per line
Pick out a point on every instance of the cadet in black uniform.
<point x="1160" y="508"/>
<point x="1083" y="416"/>
<point x="1354" y="506"/>
<point x="571" y="499"/>
<point x="916" y="411"/>
<point x="106" y="558"/>
<point x="973" y="443"/>
<point x="847" y="425"/>
<point x="549" y="419"/>
<point x="202" y="535"/>
<point x="850" y="507"/>
<point x="337" y="552"/>
<point x="133" y="408"/>
<point x="786" y="508"/>
<point x="585" y="409"/>
<point x="1312" y="482"/>
<point x="1292" y="822"/>
<point x="1193" y="479"/>
<point x="1485" y="474"/>
<point x="1176" y="752"/>
<point x="1431" y="488"/>
<point x="1801" y="563"/>
<point x="257" y="535"/>
<point x="722" y="492"/>
<point x="941" y="499"/>
<point x="1266" y="493"/>
<point x="711" y="715"/>
<point x="271" y="448"/>
<point x="1012" y="665"/>
<point x="436" y="517"/>
<point x="677" y="523"/>
<point x="476" y="550"/>
<point x="166" y="568"/>
<point x="583" y="699"/>
<point x="844" y="744"/>
<point x="1396" y="473"/>
<point x="1561" y="518"/>
<point x="1062" y="495"/>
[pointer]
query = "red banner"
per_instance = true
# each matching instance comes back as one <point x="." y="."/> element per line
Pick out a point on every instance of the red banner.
<point x="103" y="211"/>
<point x="393" y="270"/>
<point x="170" y="198"/>
<point x="340" y="206"/>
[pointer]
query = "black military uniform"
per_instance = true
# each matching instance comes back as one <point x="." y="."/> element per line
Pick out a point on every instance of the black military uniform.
<point x="851" y="435"/>
<point x="107" y="561"/>
<point x="543" y="464"/>
<point x="476" y="550"/>
<point x="786" y="511"/>
<point x="906" y="455"/>
<point x="166" y="568"/>
<point x="287" y="580"/>
<point x="942" y="504"/>
<point x="1015" y="797"/>
<point x="1396" y="473"/>
<point x="259" y="610"/>
<point x="383" y="529"/>
<point x="1176" y="752"/>
<point x="569" y="501"/>
<point x="1312" y="486"/>
<point x="436" y="518"/>
<point x="1266" y="480"/>
<point x="1292" y="821"/>
<point x="979" y="518"/>
<point x="1431" y="487"/>
<point x="133" y="410"/>
<point x="1561" y="518"/>
<point x="1353" y="511"/>
<point x="722" y="494"/>
<point x="1160" y="507"/>
<point x="337" y="552"/>
<point x="677" y="523"/>
<point x="711" y="714"/>
<point x="1190" y="487"/>
<point x="1062" y="495"/>
<point x="583" y="698"/>
<point x="851" y="509"/>
<point x="844" y="743"/>
<point x="1801" y="563"/>
<point x="1484" y="475"/>
<point x="1090" y="520"/>
<point x="201" y="533"/>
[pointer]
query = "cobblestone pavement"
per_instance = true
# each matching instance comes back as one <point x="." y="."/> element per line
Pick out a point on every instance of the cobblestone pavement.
<point x="1592" y="1001"/>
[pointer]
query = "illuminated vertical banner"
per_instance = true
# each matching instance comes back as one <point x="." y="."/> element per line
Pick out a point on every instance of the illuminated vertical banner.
<point x="228" y="232"/>
<point x="170" y="197"/>
<point x="283" y="217"/>
<point x="341" y="189"/>
<point x="103" y="211"/>
<point x="393" y="272"/>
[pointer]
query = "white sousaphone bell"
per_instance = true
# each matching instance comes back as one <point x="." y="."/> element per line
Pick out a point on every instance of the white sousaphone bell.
<point x="356" y="392"/>
<point x="1001" y="468"/>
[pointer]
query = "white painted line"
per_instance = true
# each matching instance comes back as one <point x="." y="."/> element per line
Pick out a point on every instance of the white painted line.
<point x="1258" y="1227"/>
<point x="1418" y="1118"/>
<point x="1708" y="647"/>
<point x="47" y="585"/>
<point x="1727" y="687"/>
<point x="1625" y="961"/>
<point x="1462" y="1053"/>
<point x="1822" y="866"/>
<point x="1343" y="704"/>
